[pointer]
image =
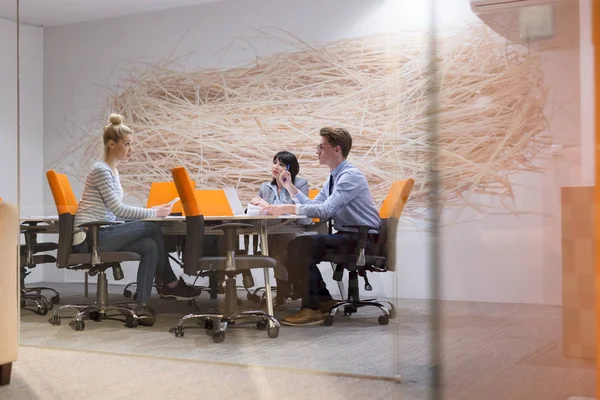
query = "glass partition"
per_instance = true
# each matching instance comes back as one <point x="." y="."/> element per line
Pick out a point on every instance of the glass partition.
<point x="469" y="122"/>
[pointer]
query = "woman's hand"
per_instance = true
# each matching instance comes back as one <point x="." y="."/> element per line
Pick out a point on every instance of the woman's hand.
<point x="257" y="201"/>
<point x="286" y="179"/>
<point x="163" y="210"/>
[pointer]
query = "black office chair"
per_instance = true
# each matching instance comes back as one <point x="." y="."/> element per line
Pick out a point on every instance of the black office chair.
<point x="30" y="258"/>
<point x="228" y="266"/>
<point x="383" y="259"/>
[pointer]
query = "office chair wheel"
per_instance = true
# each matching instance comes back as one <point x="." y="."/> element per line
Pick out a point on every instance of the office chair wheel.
<point x="348" y="311"/>
<point x="147" y="320"/>
<point x="273" y="332"/>
<point x="127" y="293"/>
<point x="178" y="331"/>
<point x="41" y="309"/>
<point x="131" y="322"/>
<point x="55" y="299"/>
<point x="383" y="320"/>
<point x="261" y="325"/>
<point x="23" y="303"/>
<point x="208" y="324"/>
<point x="218" y="337"/>
<point x="253" y="297"/>
<point x="77" y="325"/>
<point x="94" y="316"/>
<point x="328" y="320"/>
<point x="54" y="320"/>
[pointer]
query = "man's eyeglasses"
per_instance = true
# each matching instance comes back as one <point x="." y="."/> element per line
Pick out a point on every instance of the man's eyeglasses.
<point x="321" y="147"/>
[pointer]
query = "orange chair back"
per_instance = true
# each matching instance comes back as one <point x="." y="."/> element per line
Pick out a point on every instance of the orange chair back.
<point x="65" y="199"/>
<point x="396" y="199"/>
<point x="186" y="192"/>
<point x="213" y="202"/>
<point x="162" y="193"/>
<point x="312" y="193"/>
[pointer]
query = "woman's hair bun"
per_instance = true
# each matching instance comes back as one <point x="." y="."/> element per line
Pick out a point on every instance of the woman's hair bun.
<point x="115" y="119"/>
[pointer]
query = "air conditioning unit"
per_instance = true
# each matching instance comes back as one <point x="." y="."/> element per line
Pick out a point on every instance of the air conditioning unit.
<point x="490" y="6"/>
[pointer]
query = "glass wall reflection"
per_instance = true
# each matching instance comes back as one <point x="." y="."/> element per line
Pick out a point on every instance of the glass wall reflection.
<point x="469" y="122"/>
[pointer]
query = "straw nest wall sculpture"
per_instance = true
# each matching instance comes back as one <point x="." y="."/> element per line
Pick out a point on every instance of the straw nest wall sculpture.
<point x="225" y="126"/>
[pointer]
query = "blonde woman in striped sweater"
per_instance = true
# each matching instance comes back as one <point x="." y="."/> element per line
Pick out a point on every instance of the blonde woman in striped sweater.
<point x="102" y="200"/>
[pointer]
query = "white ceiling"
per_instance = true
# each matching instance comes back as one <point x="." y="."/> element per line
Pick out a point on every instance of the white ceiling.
<point x="62" y="12"/>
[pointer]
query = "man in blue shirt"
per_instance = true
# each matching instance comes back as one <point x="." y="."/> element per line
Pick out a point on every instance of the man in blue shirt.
<point x="345" y="199"/>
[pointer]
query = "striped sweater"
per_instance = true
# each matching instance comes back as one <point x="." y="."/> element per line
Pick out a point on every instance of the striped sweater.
<point x="102" y="200"/>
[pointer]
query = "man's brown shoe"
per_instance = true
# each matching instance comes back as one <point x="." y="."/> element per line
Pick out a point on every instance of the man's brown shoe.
<point x="306" y="316"/>
<point x="326" y="306"/>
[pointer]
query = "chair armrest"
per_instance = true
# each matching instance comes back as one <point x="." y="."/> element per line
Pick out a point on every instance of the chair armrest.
<point x="30" y="223"/>
<point x="98" y="223"/>
<point x="362" y="228"/>
<point x="33" y="229"/>
<point x="94" y="238"/>
<point x="363" y="231"/>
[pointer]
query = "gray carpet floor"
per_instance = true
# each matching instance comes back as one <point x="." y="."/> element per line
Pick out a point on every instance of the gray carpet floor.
<point x="57" y="374"/>
<point x="491" y="351"/>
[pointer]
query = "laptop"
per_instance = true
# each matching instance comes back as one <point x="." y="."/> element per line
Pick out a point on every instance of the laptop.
<point x="234" y="201"/>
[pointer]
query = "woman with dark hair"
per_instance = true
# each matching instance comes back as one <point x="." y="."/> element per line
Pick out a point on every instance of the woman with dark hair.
<point x="274" y="192"/>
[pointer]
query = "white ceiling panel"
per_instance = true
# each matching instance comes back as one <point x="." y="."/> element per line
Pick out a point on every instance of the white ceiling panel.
<point x="63" y="12"/>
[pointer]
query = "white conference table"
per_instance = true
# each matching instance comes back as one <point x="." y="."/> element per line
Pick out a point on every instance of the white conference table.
<point x="175" y="225"/>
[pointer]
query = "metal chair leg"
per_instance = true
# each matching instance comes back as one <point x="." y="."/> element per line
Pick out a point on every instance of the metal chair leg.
<point x="85" y="288"/>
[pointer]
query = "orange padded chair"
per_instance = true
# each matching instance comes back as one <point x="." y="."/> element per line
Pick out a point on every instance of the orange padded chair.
<point x="383" y="260"/>
<point x="230" y="265"/>
<point x="95" y="262"/>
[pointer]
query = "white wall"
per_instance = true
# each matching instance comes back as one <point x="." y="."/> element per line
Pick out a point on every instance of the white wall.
<point x="32" y="132"/>
<point x="495" y="258"/>
<point x="8" y="110"/>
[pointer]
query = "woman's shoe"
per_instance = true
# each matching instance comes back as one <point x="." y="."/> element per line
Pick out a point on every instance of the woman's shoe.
<point x="182" y="291"/>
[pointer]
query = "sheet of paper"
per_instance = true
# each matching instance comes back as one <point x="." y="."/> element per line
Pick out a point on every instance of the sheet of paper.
<point x="253" y="210"/>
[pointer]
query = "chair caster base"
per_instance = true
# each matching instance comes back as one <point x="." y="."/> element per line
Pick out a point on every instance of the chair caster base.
<point x="273" y="332"/>
<point x="77" y="325"/>
<point x="218" y="337"/>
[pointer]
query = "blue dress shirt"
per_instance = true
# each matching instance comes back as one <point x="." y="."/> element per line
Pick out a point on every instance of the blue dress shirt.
<point x="350" y="202"/>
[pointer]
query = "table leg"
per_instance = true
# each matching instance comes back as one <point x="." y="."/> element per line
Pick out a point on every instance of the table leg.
<point x="264" y="249"/>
